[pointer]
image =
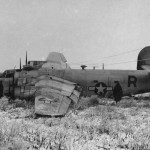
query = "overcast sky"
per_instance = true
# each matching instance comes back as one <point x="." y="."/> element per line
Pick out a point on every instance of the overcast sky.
<point x="84" y="30"/>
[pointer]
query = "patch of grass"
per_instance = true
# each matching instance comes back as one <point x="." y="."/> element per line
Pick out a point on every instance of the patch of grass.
<point x="86" y="103"/>
<point x="134" y="112"/>
<point x="19" y="103"/>
<point x="4" y="101"/>
<point x="146" y="104"/>
<point x="106" y="101"/>
<point x="93" y="127"/>
<point x="127" y="103"/>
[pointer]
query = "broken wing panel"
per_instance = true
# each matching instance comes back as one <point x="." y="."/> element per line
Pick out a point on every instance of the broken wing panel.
<point x="74" y="98"/>
<point x="53" y="104"/>
<point x="46" y="90"/>
<point x="59" y="86"/>
<point x="48" y="77"/>
<point x="53" y="96"/>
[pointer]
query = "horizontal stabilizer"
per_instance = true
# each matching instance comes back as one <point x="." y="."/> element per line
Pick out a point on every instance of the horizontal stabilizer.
<point x="56" y="60"/>
<point x="146" y="67"/>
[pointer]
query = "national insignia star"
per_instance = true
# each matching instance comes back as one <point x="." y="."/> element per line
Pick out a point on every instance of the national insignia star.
<point x="100" y="88"/>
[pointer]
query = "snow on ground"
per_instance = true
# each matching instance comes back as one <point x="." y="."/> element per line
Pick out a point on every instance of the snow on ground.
<point x="95" y="124"/>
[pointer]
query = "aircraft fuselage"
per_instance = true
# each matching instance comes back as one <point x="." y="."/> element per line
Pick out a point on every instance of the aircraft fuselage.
<point x="92" y="81"/>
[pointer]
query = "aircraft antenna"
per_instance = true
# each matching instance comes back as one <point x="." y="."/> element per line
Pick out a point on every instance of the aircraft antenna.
<point x="103" y="66"/>
<point x="126" y="52"/>
<point x="26" y="58"/>
<point x="20" y="63"/>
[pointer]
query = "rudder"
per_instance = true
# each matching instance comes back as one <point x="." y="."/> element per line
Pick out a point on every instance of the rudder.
<point x="144" y="58"/>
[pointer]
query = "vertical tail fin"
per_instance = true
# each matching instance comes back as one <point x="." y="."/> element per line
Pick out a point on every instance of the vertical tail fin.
<point x="143" y="61"/>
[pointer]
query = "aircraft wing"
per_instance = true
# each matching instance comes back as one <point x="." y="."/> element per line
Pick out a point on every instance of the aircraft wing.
<point x="54" y="95"/>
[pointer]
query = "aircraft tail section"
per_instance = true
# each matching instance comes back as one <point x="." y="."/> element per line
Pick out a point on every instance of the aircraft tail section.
<point x="143" y="62"/>
<point x="56" y="57"/>
<point x="56" y="60"/>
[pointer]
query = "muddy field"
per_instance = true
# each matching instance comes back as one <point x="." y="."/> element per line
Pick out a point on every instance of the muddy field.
<point x="93" y="124"/>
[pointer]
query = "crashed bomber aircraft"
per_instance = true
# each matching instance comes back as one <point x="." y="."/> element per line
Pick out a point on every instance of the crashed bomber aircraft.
<point x="55" y="85"/>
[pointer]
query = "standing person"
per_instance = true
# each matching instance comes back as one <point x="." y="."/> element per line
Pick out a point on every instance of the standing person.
<point x="117" y="92"/>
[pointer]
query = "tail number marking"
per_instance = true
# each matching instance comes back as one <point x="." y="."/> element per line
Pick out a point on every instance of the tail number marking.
<point x="132" y="81"/>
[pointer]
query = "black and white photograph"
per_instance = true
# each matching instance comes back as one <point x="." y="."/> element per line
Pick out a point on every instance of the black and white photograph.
<point x="74" y="74"/>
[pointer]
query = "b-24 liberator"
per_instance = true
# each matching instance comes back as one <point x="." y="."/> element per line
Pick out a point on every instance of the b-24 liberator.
<point x="54" y="85"/>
